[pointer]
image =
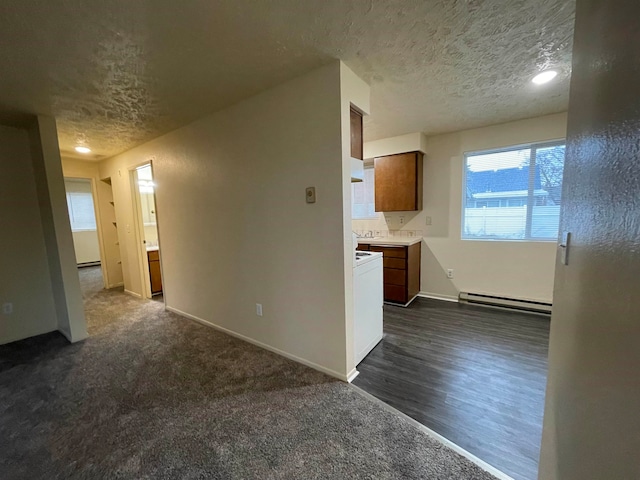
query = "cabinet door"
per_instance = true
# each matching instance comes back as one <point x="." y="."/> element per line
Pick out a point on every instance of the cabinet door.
<point x="356" y="134"/>
<point x="398" y="182"/>
<point x="156" y="277"/>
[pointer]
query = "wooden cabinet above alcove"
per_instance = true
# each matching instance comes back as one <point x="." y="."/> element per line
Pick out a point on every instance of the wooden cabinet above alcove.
<point x="398" y="182"/>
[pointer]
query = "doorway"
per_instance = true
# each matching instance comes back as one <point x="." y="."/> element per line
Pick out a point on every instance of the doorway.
<point x="84" y="229"/>
<point x="147" y="230"/>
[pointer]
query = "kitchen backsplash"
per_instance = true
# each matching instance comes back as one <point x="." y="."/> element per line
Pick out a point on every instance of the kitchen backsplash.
<point x="388" y="233"/>
<point x="396" y="224"/>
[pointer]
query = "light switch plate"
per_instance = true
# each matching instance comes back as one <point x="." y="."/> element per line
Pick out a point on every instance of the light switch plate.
<point x="564" y="248"/>
<point x="311" y="195"/>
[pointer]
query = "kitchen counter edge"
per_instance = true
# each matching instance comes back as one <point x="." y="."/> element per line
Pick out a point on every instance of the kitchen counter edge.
<point x="390" y="240"/>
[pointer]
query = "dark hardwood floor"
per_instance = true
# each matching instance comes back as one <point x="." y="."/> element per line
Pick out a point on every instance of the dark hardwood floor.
<point x="474" y="375"/>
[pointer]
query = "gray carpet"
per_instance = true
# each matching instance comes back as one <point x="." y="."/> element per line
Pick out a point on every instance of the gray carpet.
<point x="153" y="395"/>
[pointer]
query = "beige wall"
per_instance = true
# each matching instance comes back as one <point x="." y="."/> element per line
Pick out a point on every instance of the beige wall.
<point x="25" y="280"/>
<point x="85" y="244"/>
<point x="54" y="216"/>
<point x="234" y="227"/>
<point x="515" y="269"/>
<point x="39" y="275"/>
<point x="592" y="421"/>
<point x="410" y="142"/>
<point x="353" y="92"/>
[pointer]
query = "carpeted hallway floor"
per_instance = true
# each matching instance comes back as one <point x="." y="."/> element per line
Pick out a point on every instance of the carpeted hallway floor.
<point x="153" y="395"/>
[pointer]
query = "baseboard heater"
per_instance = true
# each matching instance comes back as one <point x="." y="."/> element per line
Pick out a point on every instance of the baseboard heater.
<point x="505" y="302"/>
<point x="89" y="264"/>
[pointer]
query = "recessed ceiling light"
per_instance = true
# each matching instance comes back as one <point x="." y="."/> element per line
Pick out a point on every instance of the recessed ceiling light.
<point x="83" y="150"/>
<point x="544" y="77"/>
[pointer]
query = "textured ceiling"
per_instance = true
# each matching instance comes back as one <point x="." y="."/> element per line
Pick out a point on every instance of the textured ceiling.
<point x="116" y="73"/>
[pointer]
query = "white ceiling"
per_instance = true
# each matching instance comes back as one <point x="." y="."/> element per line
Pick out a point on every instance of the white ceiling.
<point x="116" y="73"/>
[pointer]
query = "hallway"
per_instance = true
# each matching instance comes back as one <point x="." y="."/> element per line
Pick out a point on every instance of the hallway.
<point x="106" y="309"/>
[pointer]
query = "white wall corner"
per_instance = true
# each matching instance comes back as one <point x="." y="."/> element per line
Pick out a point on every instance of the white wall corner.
<point x="353" y="91"/>
<point x="65" y="282"/>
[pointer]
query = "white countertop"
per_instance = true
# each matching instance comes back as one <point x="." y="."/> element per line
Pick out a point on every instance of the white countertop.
<point x="390" y="240"/>
<point x="153" y="249"/>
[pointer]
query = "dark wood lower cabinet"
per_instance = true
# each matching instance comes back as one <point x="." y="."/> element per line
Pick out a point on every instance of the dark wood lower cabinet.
<point x="401" y="270"/>
<point x="155" y="274"/>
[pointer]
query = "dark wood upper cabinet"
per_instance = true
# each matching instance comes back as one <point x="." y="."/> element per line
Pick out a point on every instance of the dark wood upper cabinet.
<point x="398" y="182"/>
<point x="356" y="134"/>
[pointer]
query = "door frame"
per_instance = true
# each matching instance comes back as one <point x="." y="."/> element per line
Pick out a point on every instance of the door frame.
<point x="143" y="260"/>
<point x="96" y="213"/>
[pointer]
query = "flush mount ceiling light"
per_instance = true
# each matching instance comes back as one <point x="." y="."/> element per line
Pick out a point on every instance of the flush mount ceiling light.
<point x="83" y="150"/>
<point x="544" y="77"/>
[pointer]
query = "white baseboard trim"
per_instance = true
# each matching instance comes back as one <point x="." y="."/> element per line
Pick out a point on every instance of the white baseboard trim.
<point x="448" y="443"/>
<point x="315" y="366"/>
<point x="115" y="285"/>
<point x="133" y="294"/>
<point x="352" y="375"/>
<point x="437" y="296"/>
<point x="394" y="304"/>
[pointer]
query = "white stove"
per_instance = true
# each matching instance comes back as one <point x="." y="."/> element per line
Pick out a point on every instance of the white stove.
<point x="365" y="257"/>
<point x="367" y="302"/>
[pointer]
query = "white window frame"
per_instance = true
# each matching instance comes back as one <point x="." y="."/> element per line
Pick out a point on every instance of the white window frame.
<point x="534" y="146"/>
<point x="70" y="195"/>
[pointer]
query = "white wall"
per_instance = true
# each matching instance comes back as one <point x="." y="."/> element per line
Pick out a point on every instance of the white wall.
<point x="592" y="420"/>
<point x="515" y="269"/>
<point x="24" y="269"/>
<point x="234" y="227"/>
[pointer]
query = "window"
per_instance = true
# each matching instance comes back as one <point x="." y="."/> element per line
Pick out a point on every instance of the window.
<point x="80" y="204"/>
<point x="362" y="197"/>
<point x="513" y="194"/>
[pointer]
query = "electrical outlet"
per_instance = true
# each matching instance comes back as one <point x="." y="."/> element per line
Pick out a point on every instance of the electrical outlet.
<point x="259" y="309"/>
<point x="428" y="221"/>
<point x="7" y="308"/>
<point x="401" y="220"/>
<point x="311" y="194"/>
<point x="449" y="273"/>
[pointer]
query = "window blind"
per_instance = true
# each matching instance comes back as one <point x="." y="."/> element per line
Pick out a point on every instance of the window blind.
<point x="80" y="204"/>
